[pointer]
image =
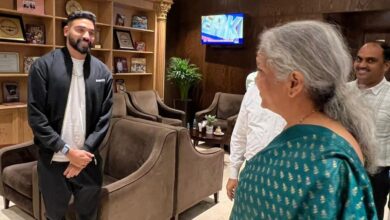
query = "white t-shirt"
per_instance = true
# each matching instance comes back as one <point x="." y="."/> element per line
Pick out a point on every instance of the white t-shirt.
<point x="73" y="127"/>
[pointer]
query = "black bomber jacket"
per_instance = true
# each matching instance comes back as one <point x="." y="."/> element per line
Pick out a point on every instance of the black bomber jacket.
<point x="48" y="87"/>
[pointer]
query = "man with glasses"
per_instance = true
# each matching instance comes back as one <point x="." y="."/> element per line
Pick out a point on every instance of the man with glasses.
<point x="69" y="109"/>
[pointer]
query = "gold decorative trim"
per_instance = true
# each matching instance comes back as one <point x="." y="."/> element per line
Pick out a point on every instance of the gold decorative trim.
<point x="162" y="9"/>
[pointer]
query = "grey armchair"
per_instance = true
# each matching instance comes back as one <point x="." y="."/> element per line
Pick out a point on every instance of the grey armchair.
<point x="148" y="102"/>
<point x="122" y="107"/>
<point x="226" y="108"/>
<point x="19" y="178"/>
<point x="139" y="171"/>
<point x="198" y="175"/>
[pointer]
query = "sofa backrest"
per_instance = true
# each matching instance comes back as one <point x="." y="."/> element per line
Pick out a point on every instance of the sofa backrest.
<point x="119" y="105"/>
<point x="128" y="147"/>
<point x="228" y="105"/>
<point x="145" y="100"/>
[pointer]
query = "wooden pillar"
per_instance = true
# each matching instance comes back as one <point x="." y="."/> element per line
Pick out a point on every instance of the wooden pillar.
<point x="162" y="8"/>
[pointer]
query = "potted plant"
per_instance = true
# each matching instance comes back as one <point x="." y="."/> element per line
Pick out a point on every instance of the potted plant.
<point x="210" y="123"/>
<point x="183" y="74"/>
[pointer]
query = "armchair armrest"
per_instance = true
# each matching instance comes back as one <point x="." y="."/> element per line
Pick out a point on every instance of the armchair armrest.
<point x="131" y="110"/>
<point x="231" y="122"/>
<point x="148" y="188"/>
<point x="171" y="112"/>
<point x="212" y="109"/>
<point x="18" y="153"/>
<point x="36" y="195"/>
<point x="196" y="168"/>
<point x="14" y="154"/>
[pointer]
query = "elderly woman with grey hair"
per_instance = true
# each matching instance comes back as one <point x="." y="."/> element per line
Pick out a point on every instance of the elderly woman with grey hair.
<point x="316" y="168"/>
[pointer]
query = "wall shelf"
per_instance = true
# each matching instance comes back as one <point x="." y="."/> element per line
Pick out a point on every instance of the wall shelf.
<point x="13" y="118"/>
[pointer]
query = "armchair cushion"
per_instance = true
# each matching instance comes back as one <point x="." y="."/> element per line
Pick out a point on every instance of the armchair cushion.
<point x="171" y="121"/>
<point x="19" y="177"/>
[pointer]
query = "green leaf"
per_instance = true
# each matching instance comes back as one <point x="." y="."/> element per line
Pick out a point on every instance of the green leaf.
<point x="184" y="74"/>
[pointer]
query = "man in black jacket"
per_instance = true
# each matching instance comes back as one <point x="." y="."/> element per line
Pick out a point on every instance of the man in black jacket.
<point x="69" y="108"/>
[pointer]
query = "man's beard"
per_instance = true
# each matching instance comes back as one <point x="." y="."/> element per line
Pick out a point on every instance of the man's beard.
<point x="76" y="44"/>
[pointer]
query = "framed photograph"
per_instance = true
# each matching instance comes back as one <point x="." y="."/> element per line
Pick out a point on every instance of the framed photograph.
<point x="35" y="33"/>
<point x="120" y="20"/>
<point x="96" y="42"/>
<point x="28" y="61"/>
<point x="140" y="45"/>
<point x="31" y="6"/>
<point x="10" y="92"/>
<point x="139" y="21"/>
<point x="120" y="65"/>
<point x="11" y="28"/>
<point x="124" y="40"/>
<point x="138" y="65"/>
<point x="120" y="85"/>
<point x="9" y="62"/>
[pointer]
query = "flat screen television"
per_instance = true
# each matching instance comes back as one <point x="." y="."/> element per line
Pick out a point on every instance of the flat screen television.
<point x="223" y="29"/>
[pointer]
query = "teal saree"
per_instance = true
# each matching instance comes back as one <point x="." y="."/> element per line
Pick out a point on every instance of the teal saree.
<point x="307" y="172"/>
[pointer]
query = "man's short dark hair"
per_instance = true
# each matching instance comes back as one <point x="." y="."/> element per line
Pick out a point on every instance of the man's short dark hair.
<point x="386" y="51"/>
<point x="81" y="14"/>
<point x="385" y="47"/>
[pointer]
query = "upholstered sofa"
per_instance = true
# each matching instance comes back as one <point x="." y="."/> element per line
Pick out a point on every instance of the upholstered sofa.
<point x="151" y="171"/>
<point x="139" y="172"/>
<point x="199" y="174"/>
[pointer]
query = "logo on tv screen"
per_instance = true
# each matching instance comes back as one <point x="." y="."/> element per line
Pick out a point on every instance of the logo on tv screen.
<point x="223" y="29"/>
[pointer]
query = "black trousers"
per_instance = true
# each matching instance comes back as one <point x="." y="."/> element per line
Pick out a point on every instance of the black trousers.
<point x="381" y="186"/>
<point x="56" y="190"/>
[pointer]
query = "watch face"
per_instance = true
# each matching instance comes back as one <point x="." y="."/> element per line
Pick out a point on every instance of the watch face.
<point x="65" y="149"/>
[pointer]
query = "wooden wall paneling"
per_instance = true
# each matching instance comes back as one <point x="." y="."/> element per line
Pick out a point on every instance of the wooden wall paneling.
<point x="26" y="134"/>
<point x="9" y="124"/>
<point x="327" y="6"/>
<point x="232" y="66"/>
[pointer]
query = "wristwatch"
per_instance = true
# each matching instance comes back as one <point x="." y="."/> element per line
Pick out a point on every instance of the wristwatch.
<point x="65" y="149"/>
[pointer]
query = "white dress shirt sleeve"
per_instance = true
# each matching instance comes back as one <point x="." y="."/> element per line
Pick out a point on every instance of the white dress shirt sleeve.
<point x="238" y="141"/>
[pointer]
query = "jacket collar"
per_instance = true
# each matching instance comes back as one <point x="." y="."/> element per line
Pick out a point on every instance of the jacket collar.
<point x="69" y="62"/>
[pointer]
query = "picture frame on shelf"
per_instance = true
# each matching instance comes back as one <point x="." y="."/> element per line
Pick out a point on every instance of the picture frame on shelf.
<point x="35" y="33"/>
<point x="9" y="62"/>
<point x="120" y="65"/>
<point x="139" y="21"/>
<point x="28" y="61"/>
<point x="120" y="20"/>
<point x="124" y="40"/>
<point x="140" y="46"/>
<point x="120" y="85"/>
<point x="10" y="92"/>
<point x="138" y="65"/>
<point x="97" y="43"/>
<point x="31" y="6"/>
<point x="12" y="28"/>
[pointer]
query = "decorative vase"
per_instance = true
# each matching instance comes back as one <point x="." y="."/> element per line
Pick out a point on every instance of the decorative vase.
<point x="209" y="129"/>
